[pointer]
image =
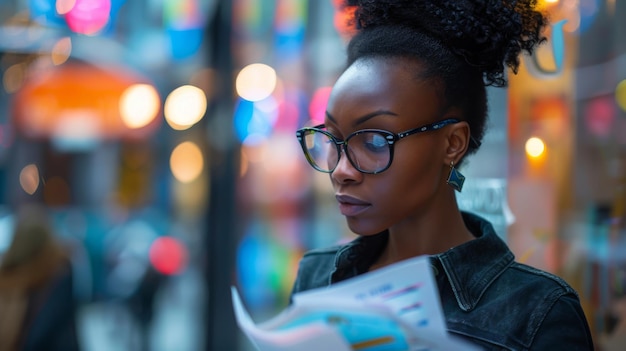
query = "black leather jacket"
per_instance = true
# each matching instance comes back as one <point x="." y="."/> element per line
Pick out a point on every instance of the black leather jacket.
<point x="486" y="296"/>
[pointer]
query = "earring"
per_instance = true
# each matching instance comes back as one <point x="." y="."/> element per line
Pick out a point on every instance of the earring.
<point x="455" y="179"/>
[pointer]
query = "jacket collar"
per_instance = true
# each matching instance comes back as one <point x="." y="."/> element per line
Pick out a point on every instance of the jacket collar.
<point x="470" y="267"/>
<point x="474" y="265"/>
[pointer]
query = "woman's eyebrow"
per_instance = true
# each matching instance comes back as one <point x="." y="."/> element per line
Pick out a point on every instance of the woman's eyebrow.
<point x="364" y="118"/>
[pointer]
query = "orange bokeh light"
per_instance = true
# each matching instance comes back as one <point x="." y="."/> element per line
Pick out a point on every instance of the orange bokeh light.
<point x="344" y="19"/>
<point x="76" y="92"/>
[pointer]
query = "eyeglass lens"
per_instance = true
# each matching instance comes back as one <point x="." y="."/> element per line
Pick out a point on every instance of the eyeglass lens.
<point x="367" y="151"/>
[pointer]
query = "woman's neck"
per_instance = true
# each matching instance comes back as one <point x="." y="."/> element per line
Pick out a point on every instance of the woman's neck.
<point x="429" y="234"/>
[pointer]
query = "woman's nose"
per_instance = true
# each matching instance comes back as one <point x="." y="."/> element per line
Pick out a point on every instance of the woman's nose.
<point x="345" y="171"/>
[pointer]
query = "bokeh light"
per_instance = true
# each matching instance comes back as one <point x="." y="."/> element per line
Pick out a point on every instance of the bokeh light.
<point x="76" y="100"/>
<point x="45" y="12"/>
<point x="569" y="11"/>
<point x="535" y="147"/>
<point x="342" y="19"/>
<point x="64" y="6"/>
<point x="610" y="6"/>
<point x="255" y="118"/>
<point x="289" y="29"/>
<point x="290" y="99"/>
<point x="13" y="77"/>
<point x="76" y="130"/>
<point x="168" y="255"/>
<point x="317" y="107"/>
<point x="599" y="116"/>
<point x="269" y="108"/>
<point x="29" y="178"/>
<point x="282" y="166"/>
<point x="61" y="51"/>
<point x="252" y="18"/>
<point x="186" y="162"/>
<point x="184" y="107"/>
<point x="588" y="13"/>
<point x="88" y="16"/>
<point x="256" y="82"/>
<point x="257" y="251"/>
<point x="546" y="4"/>
<point x="139" y="105"/>
<point x="620" y="95"/>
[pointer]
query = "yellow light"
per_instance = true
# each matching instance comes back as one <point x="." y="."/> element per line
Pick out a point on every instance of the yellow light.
<point x="620" y="94"/>
<point x="139" y="105"/>
<point x="544" y="4"/>
<point x="535" y="147"/>
<point x="184" y="107"/>
<point x="29" y="179"/>
<point x="186" y="162"/>
<point x="256" y="82"/>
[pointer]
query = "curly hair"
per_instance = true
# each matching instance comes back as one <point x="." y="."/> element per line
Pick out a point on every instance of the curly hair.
<point x="465" y="45"/>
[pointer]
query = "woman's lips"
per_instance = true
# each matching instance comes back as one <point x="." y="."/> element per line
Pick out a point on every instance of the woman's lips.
<point x="351" y="206"/>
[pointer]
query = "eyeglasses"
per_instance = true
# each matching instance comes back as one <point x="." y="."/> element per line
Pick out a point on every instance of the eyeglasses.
<point x="370" y="151"/>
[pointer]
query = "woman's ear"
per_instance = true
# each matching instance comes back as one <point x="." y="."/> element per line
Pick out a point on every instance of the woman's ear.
<point x="458" y="138"/>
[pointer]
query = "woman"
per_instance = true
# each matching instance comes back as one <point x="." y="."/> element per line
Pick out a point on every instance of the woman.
<point x="402" y="117"/>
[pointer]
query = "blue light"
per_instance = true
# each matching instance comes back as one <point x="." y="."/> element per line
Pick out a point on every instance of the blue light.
<point x="44" y="12"/>
<point x="254" y="119"/>
<point x="184" y="43"/>
<point x="588" y="13"/>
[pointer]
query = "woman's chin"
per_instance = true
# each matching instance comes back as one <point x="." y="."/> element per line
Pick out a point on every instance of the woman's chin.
<point x="362" y="228"/>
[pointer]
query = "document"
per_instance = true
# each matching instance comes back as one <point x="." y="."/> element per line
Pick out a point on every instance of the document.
<point x="393" y="308"/>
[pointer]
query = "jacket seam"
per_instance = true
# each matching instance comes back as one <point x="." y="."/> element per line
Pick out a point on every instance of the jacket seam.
<point x="562" y="283"/>
<point x="504" y="263"/>
<point x="340" y="251"/>
<point x="454" y="283"/>
<point x="555" y="295"/>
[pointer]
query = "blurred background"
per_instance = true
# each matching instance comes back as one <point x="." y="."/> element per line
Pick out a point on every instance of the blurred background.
<point x="148" y="162"/>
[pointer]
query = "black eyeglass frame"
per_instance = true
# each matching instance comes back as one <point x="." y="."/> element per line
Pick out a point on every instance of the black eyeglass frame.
<point x="390" y="137"/>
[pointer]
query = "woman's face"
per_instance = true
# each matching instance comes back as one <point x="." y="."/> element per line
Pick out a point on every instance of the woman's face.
<point x="384" y="94"/>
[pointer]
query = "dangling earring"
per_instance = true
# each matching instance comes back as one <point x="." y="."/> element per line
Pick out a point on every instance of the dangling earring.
<point x="455" y="179"/>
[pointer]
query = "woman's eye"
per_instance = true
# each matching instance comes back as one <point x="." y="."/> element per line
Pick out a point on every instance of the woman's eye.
<point x="376" y="142"/>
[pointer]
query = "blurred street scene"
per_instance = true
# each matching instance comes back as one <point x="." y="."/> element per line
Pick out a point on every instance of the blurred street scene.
<point x="148" y="162"/>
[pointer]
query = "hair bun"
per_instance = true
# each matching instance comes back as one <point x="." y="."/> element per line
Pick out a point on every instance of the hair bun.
<point x="488" y="34"/>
